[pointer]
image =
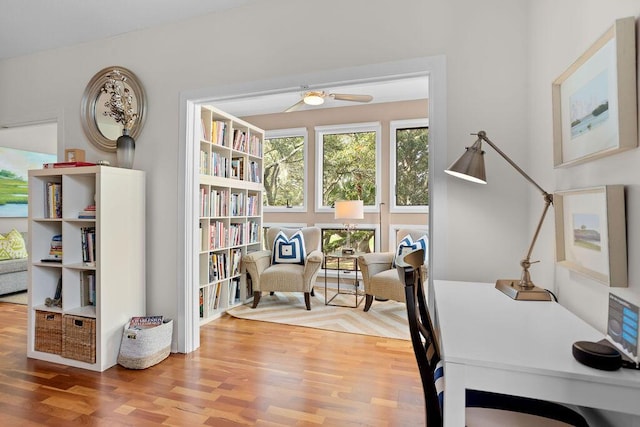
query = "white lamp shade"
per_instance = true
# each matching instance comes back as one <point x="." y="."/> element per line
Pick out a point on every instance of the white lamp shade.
<point x="349" y="209"/>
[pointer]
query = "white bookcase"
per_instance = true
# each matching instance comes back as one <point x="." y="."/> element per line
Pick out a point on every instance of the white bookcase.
<point x="118" y="266"/>
<point x="231" y="187"/>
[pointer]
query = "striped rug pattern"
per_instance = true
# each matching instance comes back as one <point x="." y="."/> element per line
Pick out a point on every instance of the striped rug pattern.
<point x="385" y="319"/>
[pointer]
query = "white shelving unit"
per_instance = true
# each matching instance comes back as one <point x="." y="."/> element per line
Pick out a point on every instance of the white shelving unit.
<point x="119" y="266"/>
<point x="231" y="187"/>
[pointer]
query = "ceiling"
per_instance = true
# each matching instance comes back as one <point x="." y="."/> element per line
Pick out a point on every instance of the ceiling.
<point x="28" y="27"/>
<point x="31" y="26"/>
<point x="386" y="91"/>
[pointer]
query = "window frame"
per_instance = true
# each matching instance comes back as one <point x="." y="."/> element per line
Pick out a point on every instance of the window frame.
<point x="320" y="131"/>
<point x="288" y="133"/>
<point x="394" y="125"/>
<point x="346" y="274"/>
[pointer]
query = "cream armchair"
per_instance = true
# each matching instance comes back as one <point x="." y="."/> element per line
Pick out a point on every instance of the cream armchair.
<point x="380" y="276"/>
<point x="285" y="277"/>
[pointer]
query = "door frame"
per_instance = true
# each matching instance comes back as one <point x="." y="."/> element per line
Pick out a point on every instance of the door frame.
<point x="187" y="322"/>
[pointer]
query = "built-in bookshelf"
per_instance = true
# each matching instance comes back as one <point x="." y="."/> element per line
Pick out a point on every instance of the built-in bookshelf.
<point x="231" y="190"/>
<point x="86" y="262"/>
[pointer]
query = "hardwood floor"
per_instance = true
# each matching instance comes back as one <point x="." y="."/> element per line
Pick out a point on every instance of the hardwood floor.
<point x="245" y="373"/>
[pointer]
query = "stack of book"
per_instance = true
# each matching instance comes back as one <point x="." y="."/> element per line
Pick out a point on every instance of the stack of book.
<point x="88" y="213"/>
<point x="55" y="249"/>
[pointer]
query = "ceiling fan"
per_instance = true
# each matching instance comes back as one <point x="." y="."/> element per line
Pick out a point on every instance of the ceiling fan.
<point x="315" y="97"/>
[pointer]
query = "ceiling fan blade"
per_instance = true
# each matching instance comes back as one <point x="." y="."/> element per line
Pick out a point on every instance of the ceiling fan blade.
<point x="294" y="106"/>
<point x="351" y="97"/>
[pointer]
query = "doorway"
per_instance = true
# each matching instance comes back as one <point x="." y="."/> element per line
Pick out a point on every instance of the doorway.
<point x="188" y="338"/>
<point x="21" y="141"/>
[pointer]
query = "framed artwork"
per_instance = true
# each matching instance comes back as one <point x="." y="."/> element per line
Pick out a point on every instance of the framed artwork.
<point x="594" y="100"/>
<point x="14" y="167"/>
<point x="591" y="233"/>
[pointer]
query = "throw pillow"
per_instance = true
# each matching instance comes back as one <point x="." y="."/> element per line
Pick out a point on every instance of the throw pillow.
<point x="407" y="245"/>
<point x="288" y="250"/>
<point x="12" y="246"/>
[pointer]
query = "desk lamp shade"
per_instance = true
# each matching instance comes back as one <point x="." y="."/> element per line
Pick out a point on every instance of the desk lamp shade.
<point x="470" y="166"/>
<point x="347" y="210"/>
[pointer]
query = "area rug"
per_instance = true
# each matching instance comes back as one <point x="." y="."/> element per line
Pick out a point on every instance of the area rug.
<point x="16" y="298"/>
<point x="385" y="319"/>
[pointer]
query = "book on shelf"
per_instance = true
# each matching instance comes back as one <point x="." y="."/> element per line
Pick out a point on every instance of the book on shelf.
<point x="255" y="146"/>
<point x="239" y="140"/>
<point x="217" y="267"/>
<point x="237" y="168"/>
<point x="236" y="234"/>
<point x="55" y="249"/>
<point x="145" y="322"/>
<point x="88" y="288"/>
<point x="254" y="172"/>
<point x="218" y="132"/>
<point x="217" y="297"/>
<point x="201" y="292"/>
<point x="236" y="204"/>
<point x="88" y="213"/>
<point x="234" y="290"/>
<point x="88" y="242"/>
<point x="219" y="164"/>
<point x="217" y="235"/>
<point x="91" y="277"/>
<point x="66" y="165"/>
<point x="53" y="200"/>
<point x="236" y="256"/>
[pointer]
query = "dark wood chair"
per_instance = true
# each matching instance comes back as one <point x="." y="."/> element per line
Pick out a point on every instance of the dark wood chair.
<point x="483" y="408"/>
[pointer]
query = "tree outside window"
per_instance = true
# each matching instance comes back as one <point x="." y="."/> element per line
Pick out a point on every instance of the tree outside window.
<point x="348" y="157"/>
<point x="334" y="239"/>
<point x="284" y="168"/>
<point x="410" y="157"/>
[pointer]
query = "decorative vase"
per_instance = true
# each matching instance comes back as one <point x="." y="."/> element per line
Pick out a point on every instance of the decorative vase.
<point x="125" y="150"/>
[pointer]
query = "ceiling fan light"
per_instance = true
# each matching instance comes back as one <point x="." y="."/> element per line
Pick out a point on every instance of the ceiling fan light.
<point x="313" y="98"/>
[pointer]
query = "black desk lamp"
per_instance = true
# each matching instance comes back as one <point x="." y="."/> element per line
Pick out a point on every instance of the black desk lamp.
<point x="470" y="166"/>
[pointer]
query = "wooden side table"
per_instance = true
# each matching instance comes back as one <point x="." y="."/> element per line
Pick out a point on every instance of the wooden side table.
<point x="340" y="257"/>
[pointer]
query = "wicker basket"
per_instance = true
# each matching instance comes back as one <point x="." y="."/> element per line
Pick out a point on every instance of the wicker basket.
<point x="142" y="348"/>
<point x="79" y="338"/>
<point x="48" y="332"/>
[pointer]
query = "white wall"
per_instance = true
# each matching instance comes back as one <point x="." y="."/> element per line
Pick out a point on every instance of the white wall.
<point x="559" y="33"/>
<point x="553" y="49"/>
<point x="486" y="52"/>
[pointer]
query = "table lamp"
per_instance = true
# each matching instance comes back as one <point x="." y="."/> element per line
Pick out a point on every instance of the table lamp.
<point x="347" y="210"/>
<point x="470" y="166"/>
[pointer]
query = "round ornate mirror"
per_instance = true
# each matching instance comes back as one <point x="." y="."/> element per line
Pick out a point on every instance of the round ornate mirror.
<point x="102" y="130"/>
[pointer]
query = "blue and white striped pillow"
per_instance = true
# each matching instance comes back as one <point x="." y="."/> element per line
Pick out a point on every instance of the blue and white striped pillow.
<point x="407" y="245"/>
<point x="438" y="379"/>
<point x="288" y="250"/>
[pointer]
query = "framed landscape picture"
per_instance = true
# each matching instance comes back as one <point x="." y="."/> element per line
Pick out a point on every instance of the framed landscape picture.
<point x="591" y="233"/>
<point x="594" y="100"/>
<point x="14" y="167"/>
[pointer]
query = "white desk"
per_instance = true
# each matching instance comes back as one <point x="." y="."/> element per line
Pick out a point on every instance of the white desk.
<point x="490" y="342"/>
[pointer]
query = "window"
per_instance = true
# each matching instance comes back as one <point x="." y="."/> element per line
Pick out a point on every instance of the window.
<point x="348" y="162"/>
<point x="334" y="239"/>
<point x="410" y="165"/>
<point x="285" y="154"/>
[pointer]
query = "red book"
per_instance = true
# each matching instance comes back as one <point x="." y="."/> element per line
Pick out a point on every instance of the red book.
<point x="67" y="165"/>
